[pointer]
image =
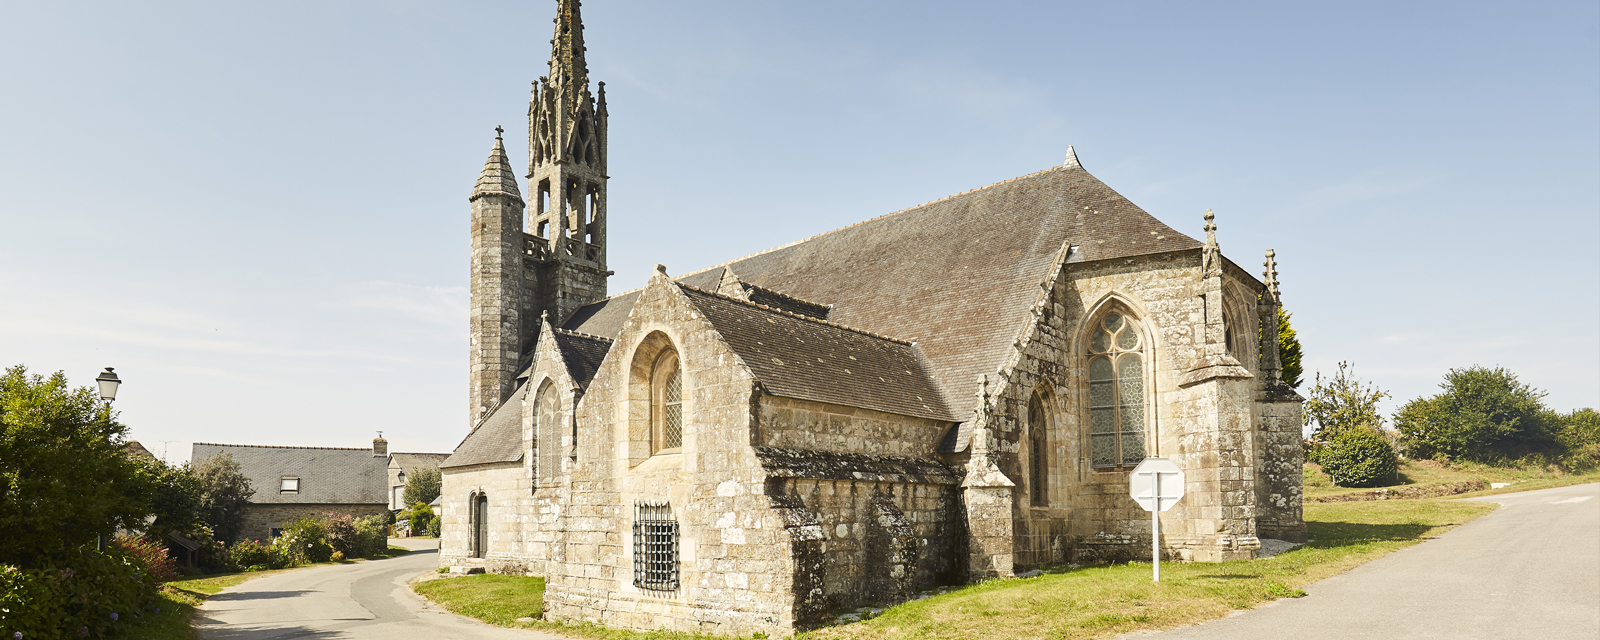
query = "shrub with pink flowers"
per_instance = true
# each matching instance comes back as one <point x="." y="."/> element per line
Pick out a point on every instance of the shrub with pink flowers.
<point x="84" y="593"/>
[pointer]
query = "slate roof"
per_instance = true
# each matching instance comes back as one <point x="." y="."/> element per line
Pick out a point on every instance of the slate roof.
<point x="328" y="475"/>
<point x="582" y="354"/>
<point x="956" y="276"/>
<point x="409" y="461"/>
<point x="801" y="357"/>
<point x="776" y="300"/>
<point x="497" y="439"/>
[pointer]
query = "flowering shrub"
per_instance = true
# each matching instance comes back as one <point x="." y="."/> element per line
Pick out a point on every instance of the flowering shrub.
<point x="158" y="567"/>
<point x="252" y="555"/>
<point x="84" y="593"/>
<point x="306" y="540"/>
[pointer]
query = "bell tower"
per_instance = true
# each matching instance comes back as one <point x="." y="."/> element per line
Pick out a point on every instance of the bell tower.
<point x="518" y="276"/>
<point x="567" y="175"/>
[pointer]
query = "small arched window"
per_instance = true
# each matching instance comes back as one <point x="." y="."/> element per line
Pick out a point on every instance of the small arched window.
<point x="1116" y="393"/>
<point x="1039" y="474"/>
<point x="666" y="403"/>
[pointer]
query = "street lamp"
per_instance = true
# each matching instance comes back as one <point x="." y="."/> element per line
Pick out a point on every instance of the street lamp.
<point x="108" y="384"/>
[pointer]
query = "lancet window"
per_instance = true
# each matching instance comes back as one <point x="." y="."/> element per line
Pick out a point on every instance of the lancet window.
<point x="666" y="403"/>
<point x="1116" y="393"/>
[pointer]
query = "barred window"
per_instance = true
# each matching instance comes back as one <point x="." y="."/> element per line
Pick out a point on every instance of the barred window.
<point x="666" y="402"/>
<point x="655" y="547"/>
<point x="1116" y="393"/>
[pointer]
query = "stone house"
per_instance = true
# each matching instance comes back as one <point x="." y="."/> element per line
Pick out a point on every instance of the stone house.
<point x="951" y="392"/>
<point x="295" y="481"/>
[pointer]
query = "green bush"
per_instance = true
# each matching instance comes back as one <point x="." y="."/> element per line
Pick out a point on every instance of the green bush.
<point x="306" y="539"/>
<point x="418" y="517"/>
<point x="251" y="555"/>
<point x="1359" y="457"/>
<point x="356" y="537"/>
<point x="1580" y="437"/>
<point x="433" y="527"/>
<point x="82" y="593"/>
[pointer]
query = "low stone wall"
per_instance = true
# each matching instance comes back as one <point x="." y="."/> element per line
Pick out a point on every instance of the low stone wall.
<point x="1407" y="493"/>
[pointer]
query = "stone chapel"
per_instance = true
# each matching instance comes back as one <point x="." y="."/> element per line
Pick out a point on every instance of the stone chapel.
<point x="951" y="392"/>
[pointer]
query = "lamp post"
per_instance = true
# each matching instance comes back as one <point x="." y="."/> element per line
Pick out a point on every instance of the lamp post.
<point x="109" y="382"/>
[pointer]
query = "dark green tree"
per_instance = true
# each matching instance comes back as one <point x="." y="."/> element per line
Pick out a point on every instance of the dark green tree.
<point x="422" y="485"/>
<point x="1288" y="351"/>
<point x="224" y="493"/>
<point x="64" y="478"/>
<point x="1580" y="436"/>
<point x="1484" y="415"/>
<point x="176" y="500"/>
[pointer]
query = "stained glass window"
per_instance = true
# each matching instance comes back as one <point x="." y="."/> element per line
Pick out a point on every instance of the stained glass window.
<point x="1038" y="431"/>
<point x="1116" y="393"/>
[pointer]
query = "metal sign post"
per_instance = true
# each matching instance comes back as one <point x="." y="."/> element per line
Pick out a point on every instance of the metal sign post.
<point x="1156" y="484"/>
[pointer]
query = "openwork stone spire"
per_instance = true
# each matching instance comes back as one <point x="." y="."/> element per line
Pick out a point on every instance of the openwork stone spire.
<point x="562" y="115"/>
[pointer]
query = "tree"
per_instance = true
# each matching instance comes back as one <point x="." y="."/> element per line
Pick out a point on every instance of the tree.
<point x="225" y="492"/>
<point x="1342" y="403"/>
<point x="1288" y="351"/>
<point x="1484" y="415"/>
<point x="422" y="485"/>
<point x="1580" y="436"/>
<point x="177" y="498"/>
<point x="64" y="479"/>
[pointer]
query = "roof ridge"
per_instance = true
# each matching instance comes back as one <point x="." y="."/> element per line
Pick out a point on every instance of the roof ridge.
<point x="285" y="446"/>
<point x="850" y="226"/>
<point x="792" y="314"/>
<point x="785" y="296"/>
<point x="580" y="334"/>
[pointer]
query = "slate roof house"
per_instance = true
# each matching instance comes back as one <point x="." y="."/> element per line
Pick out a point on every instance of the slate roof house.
<point x="294" y="481"/>
<point x="947" y="393"/>
<point x="401" y="466"/>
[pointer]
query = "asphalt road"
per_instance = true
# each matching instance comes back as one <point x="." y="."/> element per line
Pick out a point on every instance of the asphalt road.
<point x="365" y="600"/>
<point x="1530" y="569"/>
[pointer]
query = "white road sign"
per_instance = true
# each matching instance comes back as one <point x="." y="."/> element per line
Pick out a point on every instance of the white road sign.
<point x="1156" y="482"/>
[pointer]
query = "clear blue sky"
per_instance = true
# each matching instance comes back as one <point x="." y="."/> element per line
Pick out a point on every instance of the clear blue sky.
<point x="257" y="211"/>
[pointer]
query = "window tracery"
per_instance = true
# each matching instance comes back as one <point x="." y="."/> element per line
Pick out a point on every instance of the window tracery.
<point x="1116" y="393"/>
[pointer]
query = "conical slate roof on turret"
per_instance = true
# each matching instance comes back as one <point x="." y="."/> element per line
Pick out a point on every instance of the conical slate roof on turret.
<point x="497" y="177"/>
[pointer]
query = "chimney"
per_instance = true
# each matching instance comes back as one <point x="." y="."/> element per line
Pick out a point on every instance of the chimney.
<point x="380" y="447"/>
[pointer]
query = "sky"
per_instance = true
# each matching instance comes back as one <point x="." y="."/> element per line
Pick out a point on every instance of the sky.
<point x="257" y="212"/>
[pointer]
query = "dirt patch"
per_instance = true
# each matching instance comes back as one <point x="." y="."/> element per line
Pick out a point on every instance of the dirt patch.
<point x="1407" y="493"/>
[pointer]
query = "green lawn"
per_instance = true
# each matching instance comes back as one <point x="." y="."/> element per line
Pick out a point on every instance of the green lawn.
<point x="1097" y="601"/>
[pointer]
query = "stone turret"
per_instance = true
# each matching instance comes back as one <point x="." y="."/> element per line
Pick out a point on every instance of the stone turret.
<point x="500" y="325"/>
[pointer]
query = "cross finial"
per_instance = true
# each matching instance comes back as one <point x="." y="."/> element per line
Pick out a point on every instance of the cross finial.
<point x="498" y="130"/>
<point x="1211" y="227"/>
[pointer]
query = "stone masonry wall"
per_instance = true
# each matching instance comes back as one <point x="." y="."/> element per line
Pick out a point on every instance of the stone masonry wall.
<point x="802" y="424"/>
<point x="734" y="566"/>
<point x="261" y="519"/>
<point x="508" y="489"/>
<point x="1280" y="480"/>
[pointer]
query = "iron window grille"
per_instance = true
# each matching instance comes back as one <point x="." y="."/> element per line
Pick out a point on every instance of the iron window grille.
<point x="655" y="547"/>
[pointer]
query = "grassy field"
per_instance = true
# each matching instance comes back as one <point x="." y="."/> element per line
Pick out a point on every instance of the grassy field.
<point x="1427" y="472"/>
<point x="1097" y="601"/>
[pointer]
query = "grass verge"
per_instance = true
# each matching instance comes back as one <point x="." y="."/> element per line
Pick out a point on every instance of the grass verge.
<point x="1108" y="600"/>
<point x="1084" y="602"/>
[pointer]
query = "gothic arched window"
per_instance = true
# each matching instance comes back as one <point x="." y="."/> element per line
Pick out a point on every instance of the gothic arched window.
<point x="1038" y="451"/>
<point x="1116" y="393"/>
<point x="666" y="403"/>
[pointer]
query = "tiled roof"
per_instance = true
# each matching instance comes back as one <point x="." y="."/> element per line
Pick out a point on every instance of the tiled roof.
<point x="497" y="439"/>
<point x="956" y="276"/>
<point x="582" y="354"/>
<point x="328" y="475"/>
<point x="776" y="300"/>
<point x="410" y="461"/>
<point x="801" y="357"/>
